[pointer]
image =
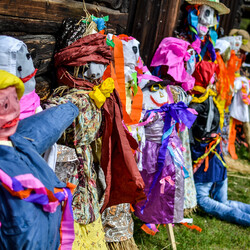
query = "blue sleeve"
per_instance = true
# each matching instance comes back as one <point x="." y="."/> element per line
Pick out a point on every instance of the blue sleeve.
<point x="46" y="127"/>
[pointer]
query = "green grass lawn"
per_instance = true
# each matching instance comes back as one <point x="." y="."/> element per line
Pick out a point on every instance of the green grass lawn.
<point x="216" y="234"/>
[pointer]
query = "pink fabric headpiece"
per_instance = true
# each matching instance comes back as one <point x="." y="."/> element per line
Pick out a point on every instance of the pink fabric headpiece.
<point x="172" y="52"/>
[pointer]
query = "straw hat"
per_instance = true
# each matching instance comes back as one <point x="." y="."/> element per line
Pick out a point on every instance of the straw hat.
<point x="245" y="38"/>
<point x="215" y="4"/>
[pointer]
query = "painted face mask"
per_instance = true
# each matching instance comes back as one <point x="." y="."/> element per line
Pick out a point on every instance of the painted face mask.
<point x="235" y="42"/>
<point x="9" y="112"/>
<point x="206" y="19"/>
<point x="154" y="95"/>
<point x="95" y="71"/>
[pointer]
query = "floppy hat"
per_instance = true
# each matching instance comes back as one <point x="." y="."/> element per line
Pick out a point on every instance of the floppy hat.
<point x="245" y="38"/>
<point x="7" y="80"/>
<point x="215" y="4"/>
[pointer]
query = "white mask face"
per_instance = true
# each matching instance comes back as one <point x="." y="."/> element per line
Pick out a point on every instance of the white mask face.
<point x="95" y="71"/>
<point x="154" y="96"/>
<point x="206" y="19"/>
<point x="235" y="42"/>
<point x="131" y="52"/>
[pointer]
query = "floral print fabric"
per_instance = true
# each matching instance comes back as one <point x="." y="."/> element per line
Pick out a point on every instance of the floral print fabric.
<point x="79" y="136"/>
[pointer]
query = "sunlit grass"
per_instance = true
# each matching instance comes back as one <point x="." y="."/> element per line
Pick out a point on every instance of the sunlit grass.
<point x="216" y="234"/>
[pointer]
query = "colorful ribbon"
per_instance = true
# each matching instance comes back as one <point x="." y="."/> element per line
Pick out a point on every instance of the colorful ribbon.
<point x="30" y="189"/>
<point x="180" y="113"/>
<point x="163" y="182"/>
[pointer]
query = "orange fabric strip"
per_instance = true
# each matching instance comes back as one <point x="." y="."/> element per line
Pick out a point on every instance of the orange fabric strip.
<point x="192" y="226"/>
<point x="117" y="73"/>
<point x="147" y="230"/>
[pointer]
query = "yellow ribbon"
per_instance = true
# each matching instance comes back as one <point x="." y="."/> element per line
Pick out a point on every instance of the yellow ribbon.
<point x="212" y="150"/>
<point x="101" y="92"/>
<point x="209" y="92"/>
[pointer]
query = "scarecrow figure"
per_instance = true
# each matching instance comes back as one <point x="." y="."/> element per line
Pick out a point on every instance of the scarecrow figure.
<point x="16" y="59"/>
<point x="210" y="172"/>
<point x="202" y="18"/>
<point x="239" y="108"/>
<point x="26" y="181"/>
<point x="162" y="161"/>
<point x="80" y="67"/>
<point x="175" y="59"/>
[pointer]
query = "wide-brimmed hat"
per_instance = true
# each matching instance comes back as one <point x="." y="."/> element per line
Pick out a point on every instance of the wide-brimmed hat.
<point x="245" y="38"/>
<point x="215" y="4"/>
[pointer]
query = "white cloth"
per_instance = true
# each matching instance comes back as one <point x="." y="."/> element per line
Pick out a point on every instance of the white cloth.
<point x="222" y="45"/>
<point x="50" y="156"/>
<point x="238" y="109"/>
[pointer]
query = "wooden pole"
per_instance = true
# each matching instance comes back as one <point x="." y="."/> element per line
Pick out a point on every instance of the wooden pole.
<point x="171" y="236"/>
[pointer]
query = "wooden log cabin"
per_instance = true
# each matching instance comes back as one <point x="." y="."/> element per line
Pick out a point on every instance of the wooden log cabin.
<point x="36" y="22"/>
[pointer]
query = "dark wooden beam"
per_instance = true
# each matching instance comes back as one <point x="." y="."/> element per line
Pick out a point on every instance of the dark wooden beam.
<point x="27" y="25"/>
<point x="57" y="10"/>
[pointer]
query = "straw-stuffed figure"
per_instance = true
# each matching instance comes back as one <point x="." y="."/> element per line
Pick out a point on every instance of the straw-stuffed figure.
<point x="16" y="59"/>
<point x="210" y="172"/>
<point x="162" y="160"/>
<point x="202" y="18"/>
<point x="31" y="195"/>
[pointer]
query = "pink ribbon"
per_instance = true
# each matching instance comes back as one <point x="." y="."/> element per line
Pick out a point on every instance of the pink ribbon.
<point x="163" y="181"/>
<point x="150" y="118"/>
<point x="145" y="76"/>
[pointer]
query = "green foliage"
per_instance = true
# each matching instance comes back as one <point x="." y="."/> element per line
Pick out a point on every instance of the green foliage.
<point x="216" y="234"/>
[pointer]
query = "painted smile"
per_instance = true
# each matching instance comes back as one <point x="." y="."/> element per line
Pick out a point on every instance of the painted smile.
<point x="157" y="103"/>
<point x="11" y="123"/>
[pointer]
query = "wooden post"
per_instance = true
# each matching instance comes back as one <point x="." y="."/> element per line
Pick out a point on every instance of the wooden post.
<point x="171" y="236"/>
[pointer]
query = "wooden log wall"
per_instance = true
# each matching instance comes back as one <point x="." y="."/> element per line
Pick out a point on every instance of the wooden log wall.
<point x="233" y="19"/>
<point x="36" y="22"/>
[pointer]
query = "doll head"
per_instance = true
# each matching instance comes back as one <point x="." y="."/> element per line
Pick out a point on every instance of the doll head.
<point x="207" y="18"/>
<point x="175" y="59"/>
<point x="11" y="90"/>
<point x="95" y="71"/>
<point x="224" y="48"/>
<point x="155" y="95"/>
<point x="16" y="59"/>
<point x="130" y="50"/>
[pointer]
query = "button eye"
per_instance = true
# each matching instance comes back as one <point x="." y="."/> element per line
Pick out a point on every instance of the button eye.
<point x="28" y="55"/>
<point x="207" y="13"/>
<point x="19" y="68"/>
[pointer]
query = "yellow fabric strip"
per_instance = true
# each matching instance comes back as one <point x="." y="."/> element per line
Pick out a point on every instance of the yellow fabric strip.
<point x="206" y="154"/>
<point x="219" y="157"/>
<point x="199" y="88"/>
